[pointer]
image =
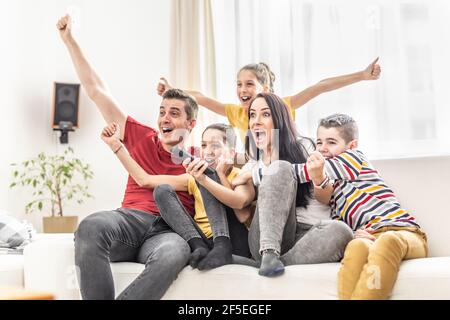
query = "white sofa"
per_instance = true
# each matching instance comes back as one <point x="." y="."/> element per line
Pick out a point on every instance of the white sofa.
<point x="421" y="185"/>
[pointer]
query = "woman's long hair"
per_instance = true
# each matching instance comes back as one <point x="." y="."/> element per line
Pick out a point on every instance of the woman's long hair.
<point x="289" y="147"/>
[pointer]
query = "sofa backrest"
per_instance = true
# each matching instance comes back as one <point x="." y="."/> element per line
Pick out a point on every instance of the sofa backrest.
<point x="422" y="186"/>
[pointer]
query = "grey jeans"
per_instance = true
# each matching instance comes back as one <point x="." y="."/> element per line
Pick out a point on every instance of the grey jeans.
<point x="127" y="235"/>
<point x="222" y="219"/>
<point x="274" y="225"/>
<point x="176" y="216"/>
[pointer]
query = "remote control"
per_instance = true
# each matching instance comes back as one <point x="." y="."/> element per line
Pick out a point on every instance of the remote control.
<point x="181" y="154"/>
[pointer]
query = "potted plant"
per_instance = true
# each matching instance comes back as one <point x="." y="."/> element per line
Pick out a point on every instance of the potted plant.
<point x="56" y="180"/>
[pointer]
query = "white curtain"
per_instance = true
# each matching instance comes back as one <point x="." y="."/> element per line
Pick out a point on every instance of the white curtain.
<point x="404" y="113"/>
<point x="193" y="55"/>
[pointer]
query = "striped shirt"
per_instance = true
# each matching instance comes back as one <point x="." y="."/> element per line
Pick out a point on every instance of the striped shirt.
<point x="360" y="198"/>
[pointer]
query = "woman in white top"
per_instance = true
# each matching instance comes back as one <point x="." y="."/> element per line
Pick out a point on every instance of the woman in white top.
<point x="275" y="237"/>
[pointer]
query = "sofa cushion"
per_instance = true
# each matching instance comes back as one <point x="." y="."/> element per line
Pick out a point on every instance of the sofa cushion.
<point x="317" y="282"/>
<point x="427" y="278"/>
<point x="235" y="282"/>
<point x="49" y="266"/>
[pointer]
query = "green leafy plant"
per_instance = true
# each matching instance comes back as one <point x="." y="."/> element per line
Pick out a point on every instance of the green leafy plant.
<point x="56" y="179"/>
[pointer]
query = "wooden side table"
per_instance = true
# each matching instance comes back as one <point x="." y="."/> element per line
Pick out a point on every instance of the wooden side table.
<point x="17" y="293"/>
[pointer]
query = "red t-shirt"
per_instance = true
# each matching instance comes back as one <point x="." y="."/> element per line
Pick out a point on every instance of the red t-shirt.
<point x="146" y="149"/>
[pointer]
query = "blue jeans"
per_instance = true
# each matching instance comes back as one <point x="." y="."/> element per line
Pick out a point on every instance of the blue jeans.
<point x="133" y="236"/>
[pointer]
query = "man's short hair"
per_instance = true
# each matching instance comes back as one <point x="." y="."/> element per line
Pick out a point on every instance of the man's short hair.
<point x="190" y="104"/>
<point x="346" y="125"/>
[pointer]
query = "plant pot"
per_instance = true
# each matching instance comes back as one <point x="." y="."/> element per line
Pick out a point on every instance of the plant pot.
<point x="60" y="224"/>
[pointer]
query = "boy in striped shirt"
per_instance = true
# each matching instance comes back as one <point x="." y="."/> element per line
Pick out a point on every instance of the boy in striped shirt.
<point x="385" y="233"/>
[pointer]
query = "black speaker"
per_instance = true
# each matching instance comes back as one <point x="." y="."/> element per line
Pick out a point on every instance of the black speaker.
<point x="65" y="105"/>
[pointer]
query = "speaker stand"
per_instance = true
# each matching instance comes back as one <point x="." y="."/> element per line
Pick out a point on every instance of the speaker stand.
<point x="64" y="137"/>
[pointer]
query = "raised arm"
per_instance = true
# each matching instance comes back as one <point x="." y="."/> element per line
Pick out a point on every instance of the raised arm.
<point x="209" y="103"/>
<point x="372" y="72"/>
<point x="110" y="135"/>
<point x="95" y="88"/>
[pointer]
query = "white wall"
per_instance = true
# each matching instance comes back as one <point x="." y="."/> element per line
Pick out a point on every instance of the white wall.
<point x="126" y="41"/>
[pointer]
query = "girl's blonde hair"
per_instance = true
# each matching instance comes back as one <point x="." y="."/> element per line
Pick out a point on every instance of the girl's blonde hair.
<point x="262" y="72"/>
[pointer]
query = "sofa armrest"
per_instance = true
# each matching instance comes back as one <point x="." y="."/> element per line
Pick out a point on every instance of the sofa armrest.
<point x="49" y="265"/>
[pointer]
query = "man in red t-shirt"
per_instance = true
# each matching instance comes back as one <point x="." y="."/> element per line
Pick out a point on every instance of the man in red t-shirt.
<point x="134" y="232"/>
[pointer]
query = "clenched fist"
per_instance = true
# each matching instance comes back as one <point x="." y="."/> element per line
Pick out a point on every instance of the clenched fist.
<point x="64" y="26"/>
<point x="163" y="86"/>
<point x="315" y="164"/>
<point x="111" y="136"/>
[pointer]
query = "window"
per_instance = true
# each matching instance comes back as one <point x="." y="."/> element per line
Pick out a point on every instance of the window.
<point x="404" y="113"/>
